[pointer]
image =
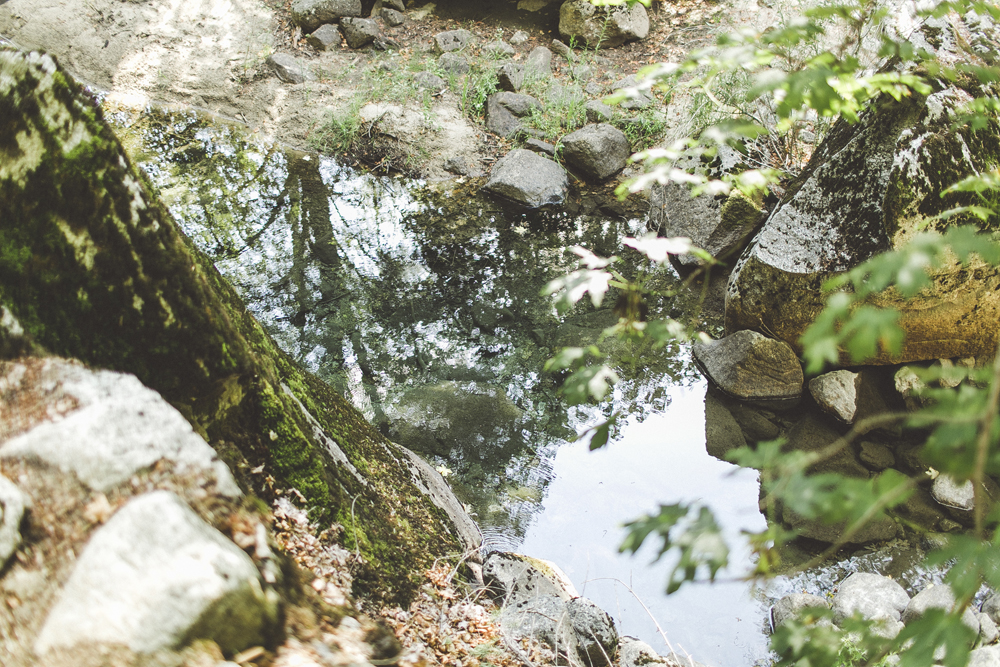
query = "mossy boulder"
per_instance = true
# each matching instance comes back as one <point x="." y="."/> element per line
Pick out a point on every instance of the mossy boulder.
<point x="870" y="187"/>
<point x="92" y="266"/>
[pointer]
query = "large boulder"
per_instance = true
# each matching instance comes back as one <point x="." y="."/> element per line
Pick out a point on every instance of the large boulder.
<point x="750" y="367"/>
<point x="539" y="602"/>
<point x="155" y="576"/>
<point x="598" y="151"/>
<point x="870" y="187"/>
<point x="604" y="27"/>
<point x="311" y="14"/>
<point x="528" y="180"/>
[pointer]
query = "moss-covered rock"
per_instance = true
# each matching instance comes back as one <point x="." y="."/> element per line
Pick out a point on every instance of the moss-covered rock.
<point x="92" y="266"/>
<point x="869" y="188"/>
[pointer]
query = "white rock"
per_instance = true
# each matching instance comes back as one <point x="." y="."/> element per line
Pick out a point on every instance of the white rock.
<point x="873" y="596"/>
<point x="120" y="428"/>
<point x="937" y="597"/>
<point x="950" y="493"/>
<point x="837" y="394"/>
<point x="157" y="575"/>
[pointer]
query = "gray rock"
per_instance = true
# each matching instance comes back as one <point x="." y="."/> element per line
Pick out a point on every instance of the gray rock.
<point x="872" y="596"/>
<point x="155" y="576"/>
<point x="289" y="69"/>
<point x="539" y="146"/>
<point x="498" y="49"/>
<point x="937" y="597"/>
<point x="538" y="64"/>
<point x="813" y="433"/>
<point x="515" y="578"/>
<point x="324" y="38"/>
<point x="119" y="429"/>
<point x="397" y="5"/>
<point x="790" y="606"/>
<point x="598" y="151"/>
<point x="311" y="14"/>
<point x="12" y="506"/>
<point x="836" y="393"/>
<point x="756" y="426"/>
<point x="879" y="530"/>
<point x="510" y="77"/>
<point x="504" y="109"/>
<point x="452" y="63"/>
<point x="951" y="494"/>
<point x="528" y="180"/>
<point x="721" y="225"/>
<point x="636" y="653"/>
<point x="562" y="49"/>
<point x="359" y="32"/>
<point x="748" y="366"/>
<point x="602" y="27"/>
<point x="392" y="17"/>
<point x="577" y="628"/>
<point x="598" y="112"/>
<point x="593" y="89"/>
<point x="461" y="166"/>
<point x="519" y="37"/>
<point x="640" y="100"/>
<point x="453" y="40"/>
<point x="722" y="433"/>
<point x="876" y="456"/>
<point x="869" y="186"/>
<point x="581" y="73"/>
<point x="429" y="80"/>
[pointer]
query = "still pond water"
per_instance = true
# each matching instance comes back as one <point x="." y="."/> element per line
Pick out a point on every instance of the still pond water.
<point x="422" y="306"/>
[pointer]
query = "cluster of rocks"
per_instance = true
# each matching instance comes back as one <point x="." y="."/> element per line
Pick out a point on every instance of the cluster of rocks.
<point x="889" y="608"/>
<point x="98" y="464"/>
<point x="539" y="603"/>
<point x="758" y="393"/>
<point x="594" y="153"/>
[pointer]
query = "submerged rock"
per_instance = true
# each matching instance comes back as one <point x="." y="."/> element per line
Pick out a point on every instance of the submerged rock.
<point x="751" y="367"/>
<point x="528" y="180"/>
<point x="722" y="433"/>
<point x="604" y="27"/>
<point x="790" y="606"/>
<point x="870" y="187"/>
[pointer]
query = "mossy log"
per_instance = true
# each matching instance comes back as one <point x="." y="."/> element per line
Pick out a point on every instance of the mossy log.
<point x="92" y="266"/>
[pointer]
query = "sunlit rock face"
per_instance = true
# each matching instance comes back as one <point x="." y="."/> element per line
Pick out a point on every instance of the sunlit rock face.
<point x="869" y="188"/>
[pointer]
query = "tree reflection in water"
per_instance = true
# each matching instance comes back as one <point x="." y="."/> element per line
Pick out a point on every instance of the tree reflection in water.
<point x="420" y="304"/>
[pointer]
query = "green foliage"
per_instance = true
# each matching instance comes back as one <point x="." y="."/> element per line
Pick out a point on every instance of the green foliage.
<point x="756" y="85"/>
